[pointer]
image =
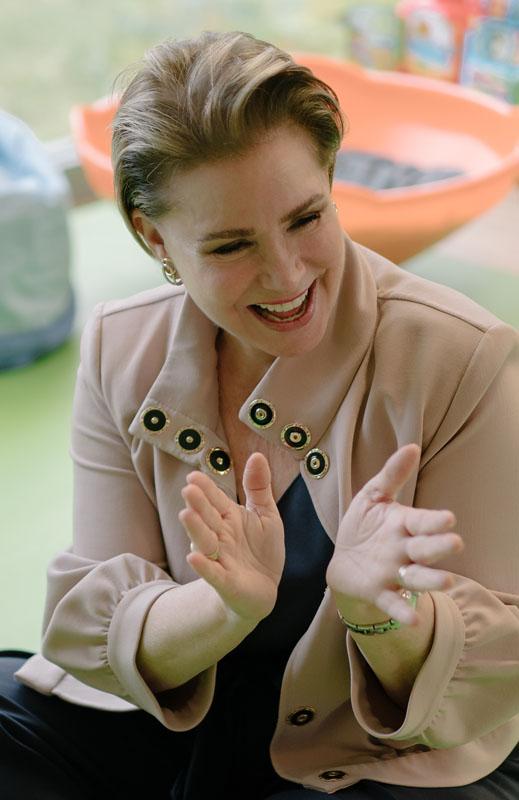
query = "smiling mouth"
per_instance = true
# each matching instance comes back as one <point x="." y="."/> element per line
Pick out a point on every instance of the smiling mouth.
<point x="284" y="312"/>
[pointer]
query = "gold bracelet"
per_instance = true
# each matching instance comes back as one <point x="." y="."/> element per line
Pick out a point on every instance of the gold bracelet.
<point x="380" y="627"/>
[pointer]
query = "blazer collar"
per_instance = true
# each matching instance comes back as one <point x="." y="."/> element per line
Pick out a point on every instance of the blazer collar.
<point x="303" y="392"/>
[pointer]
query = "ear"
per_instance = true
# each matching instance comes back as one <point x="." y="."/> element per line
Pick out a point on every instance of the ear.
<point x="149" y="232"/>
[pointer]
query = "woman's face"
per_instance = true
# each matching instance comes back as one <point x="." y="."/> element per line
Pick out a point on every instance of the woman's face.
<point x="253" y="231"/>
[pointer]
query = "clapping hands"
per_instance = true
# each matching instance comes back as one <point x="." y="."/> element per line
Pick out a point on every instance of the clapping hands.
<point x="240" y="550"/>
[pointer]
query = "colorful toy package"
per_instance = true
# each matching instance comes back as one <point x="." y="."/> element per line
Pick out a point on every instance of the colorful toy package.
<point x="374" y="33"/>
<point x="500" y="8"/>
<point x="491" y="58"/>
<point x="434" y="35"/>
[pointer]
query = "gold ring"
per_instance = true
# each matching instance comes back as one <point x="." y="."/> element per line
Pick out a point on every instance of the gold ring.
<point x="213" y="556"/>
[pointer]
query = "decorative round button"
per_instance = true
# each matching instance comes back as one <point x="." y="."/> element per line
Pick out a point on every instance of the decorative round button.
<point x="218" y="460"/>
<point x="295" y="436"/>
<point x="154" y="420"/>
<point x="317" y="463"/>
<point x="332" y="774"/>
<point x="302" y="716"/>
<point x="189" y="439"/>
<point x="261" y="413"/>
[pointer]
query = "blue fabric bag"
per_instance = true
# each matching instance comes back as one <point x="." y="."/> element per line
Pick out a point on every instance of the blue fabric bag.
<point x="36" y="297"/>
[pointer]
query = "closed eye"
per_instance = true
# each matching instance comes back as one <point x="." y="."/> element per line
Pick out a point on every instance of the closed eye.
<point x="233" y="247"/>
<point x="242" y="244"/>
<point x="306" y="220"/>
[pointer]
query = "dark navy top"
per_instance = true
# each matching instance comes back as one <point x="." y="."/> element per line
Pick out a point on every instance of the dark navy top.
<point x="233" y="739"/>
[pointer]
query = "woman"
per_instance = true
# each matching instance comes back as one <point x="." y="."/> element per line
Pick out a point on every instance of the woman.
<point x="270" y="462"/>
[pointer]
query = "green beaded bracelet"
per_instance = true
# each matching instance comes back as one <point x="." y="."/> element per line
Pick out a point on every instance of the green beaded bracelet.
<point x="380" y="627"/>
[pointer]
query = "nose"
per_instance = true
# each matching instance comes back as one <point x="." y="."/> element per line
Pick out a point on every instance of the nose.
<point x="282" y="271"/>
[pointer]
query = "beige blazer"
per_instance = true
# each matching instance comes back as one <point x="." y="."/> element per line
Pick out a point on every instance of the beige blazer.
<point x="403" y="360"/>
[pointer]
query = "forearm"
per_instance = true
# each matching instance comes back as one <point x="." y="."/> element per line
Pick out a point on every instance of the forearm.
<point x="187" y="630"/>
<point x="397" y="656"/>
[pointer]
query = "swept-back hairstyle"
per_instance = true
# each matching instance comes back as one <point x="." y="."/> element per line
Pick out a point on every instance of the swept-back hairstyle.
<point x="203" y="99"/>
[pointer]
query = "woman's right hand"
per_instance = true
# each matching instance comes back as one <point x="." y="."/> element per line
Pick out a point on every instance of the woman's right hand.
<point x="249" y="540"/>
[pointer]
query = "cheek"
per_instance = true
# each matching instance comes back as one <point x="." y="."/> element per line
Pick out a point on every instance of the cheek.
<point x="327" y="248"/>
<point x="223" y="289"/>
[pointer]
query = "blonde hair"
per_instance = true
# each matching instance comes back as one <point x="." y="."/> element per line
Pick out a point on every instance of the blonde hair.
<point x="208" y="98"/>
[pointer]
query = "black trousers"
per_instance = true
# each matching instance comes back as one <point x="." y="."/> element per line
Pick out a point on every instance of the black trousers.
<point x="53" y="750"/>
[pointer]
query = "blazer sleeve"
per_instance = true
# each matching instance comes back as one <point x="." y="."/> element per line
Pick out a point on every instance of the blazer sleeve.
<point x="99" y="591"/>
<point x="469" y="684"/>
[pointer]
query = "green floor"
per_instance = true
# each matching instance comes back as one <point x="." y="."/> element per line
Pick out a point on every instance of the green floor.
<point x="35" y="402"/>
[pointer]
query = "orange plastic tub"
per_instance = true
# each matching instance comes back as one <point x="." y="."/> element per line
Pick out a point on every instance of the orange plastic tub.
<point x="91" y="130"/>
<point x="428" y="123"/>
<point x="407" y="118"/>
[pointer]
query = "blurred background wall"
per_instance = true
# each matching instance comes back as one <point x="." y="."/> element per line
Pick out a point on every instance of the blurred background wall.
<point x="55" y="53"/>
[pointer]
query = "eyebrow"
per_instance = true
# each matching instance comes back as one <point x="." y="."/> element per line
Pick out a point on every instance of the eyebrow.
<point x="236" y="233"/>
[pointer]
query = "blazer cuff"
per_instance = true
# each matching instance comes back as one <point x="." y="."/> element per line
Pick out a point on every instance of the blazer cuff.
<point x="377" y="714"/>
<point x="187" y="705"/>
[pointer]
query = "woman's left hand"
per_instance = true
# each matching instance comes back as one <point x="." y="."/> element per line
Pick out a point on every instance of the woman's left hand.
<point x="377" y="536"/>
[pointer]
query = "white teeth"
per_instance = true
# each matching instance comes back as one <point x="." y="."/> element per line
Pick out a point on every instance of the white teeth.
<point x="280" y="307"/>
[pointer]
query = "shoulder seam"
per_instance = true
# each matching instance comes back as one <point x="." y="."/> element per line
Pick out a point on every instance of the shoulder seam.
<point x="438" y="307"/>
<point x="141" y="304"/>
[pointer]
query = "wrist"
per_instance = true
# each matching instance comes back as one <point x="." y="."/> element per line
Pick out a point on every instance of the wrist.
<point x="359" y="617"/>
<point x="243" y="620"/>
<point x="356" y="610"/>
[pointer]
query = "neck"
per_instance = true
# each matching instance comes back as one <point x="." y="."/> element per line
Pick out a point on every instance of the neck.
<point x="242" y="366"/>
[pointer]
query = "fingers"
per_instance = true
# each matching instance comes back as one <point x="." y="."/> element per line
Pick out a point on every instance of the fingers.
<point x="423" y="521"/>
<point x="394" y="474"/>
<point x="394" y="605"/>
<point x="424" y="548"/>
<point x="428" y="550"/>
<point x="424" y="579"/>
<point x="429" y="538"/>
<point x="210" y="571"/>
<point x="203" y="537"/>
<point x="196" y="500"/>
<point x="257" y="484"/>
<point x="214" y="495"/>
